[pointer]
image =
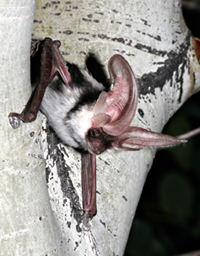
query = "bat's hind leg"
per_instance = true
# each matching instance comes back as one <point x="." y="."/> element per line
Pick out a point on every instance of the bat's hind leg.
<point x="51" y="63"/>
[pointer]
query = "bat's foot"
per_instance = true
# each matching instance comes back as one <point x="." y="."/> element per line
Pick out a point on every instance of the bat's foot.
<point x="26" y="117"/>
<point x="14" y="120"/>
<point x="91" y="209"/>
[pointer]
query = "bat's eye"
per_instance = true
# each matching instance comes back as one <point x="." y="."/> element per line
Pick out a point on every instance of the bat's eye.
<point x="94" y="133"/>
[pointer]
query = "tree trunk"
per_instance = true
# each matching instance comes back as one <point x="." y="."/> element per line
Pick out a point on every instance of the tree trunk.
<point x="26" y="223"/>
<point x="155" y="41"/>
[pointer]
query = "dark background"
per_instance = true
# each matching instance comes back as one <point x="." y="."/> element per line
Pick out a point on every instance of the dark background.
<point x="167" y="220"/>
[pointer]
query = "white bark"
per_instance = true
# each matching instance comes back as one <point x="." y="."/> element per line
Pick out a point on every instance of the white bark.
<point x="155" y="41"/>
<point x="26" y="223"/>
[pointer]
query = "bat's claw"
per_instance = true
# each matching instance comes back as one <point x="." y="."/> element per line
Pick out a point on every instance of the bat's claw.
<point x="14" y="121"/>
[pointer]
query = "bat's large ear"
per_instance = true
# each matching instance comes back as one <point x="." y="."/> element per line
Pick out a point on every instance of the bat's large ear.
<point x="115" y="110"/>
<point x="135" y="138"/>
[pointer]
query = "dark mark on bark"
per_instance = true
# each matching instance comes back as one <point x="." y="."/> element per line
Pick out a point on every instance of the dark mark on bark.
<point x="57" y="14"/>
<point x="103" y="223"/>
<point x="158" y="63"/>
<point x="115" y="11"/>
<point x="37" y="21"/>
<point x="47" y="5"/>
<point x="83" y="53"/>
<point x="105" y="162"/>
<point x="105" y="226"/>
<point x="63" y="170"/>
<point x="175" y="64"/>
<point x="100" y="13"/>
<point x="148" y="49"/>
<point x="119" y="40"/>
<point x="68" y="189"/>
<point x="37" y="140"/>
<point x="84" y="19"/>
<point x="74" y="7"/>
<point x="83" y="39"/>
<point x="194" y="78"/>
<point x="130" y="54"/>
<point x="124" y="52"/>
<point x="179" y="79"/>
<point x="40" y="156"/>
<point x="65" y="53"/>
<point x="114" y="254"/>
<point x="145" y="22"/>
<point x="141" y="113"/>
<point x="98" y="192"/>
<point x="69" y="224"/>
<point x="155" y="37"/>
<point x="125" y="198"/>
<point x="32" y="134"/>
<point x="68" y="32"/>
<point x="114" y="39"/>
<point x="83" y="33"/>
<point x="76" y="243"/>
<point x="90" y="20"/>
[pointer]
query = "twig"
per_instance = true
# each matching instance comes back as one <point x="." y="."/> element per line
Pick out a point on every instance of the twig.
<point x="197" y="253"/>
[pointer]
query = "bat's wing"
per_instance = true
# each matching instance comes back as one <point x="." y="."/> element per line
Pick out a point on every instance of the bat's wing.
<point x="51" y="63"/>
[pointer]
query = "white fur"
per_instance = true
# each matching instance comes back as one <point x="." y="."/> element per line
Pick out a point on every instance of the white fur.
<point x="57" y="105"/>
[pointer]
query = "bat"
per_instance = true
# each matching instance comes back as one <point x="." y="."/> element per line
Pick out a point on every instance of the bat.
<point x="84" y="113"/>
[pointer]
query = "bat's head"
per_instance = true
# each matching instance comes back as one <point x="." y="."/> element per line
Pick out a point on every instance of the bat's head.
<point x="114" y="111"/>
<point x="98" y="141"/>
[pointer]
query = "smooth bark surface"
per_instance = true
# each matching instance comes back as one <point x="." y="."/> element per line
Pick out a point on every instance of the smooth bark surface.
<point x="26" y="223"/>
